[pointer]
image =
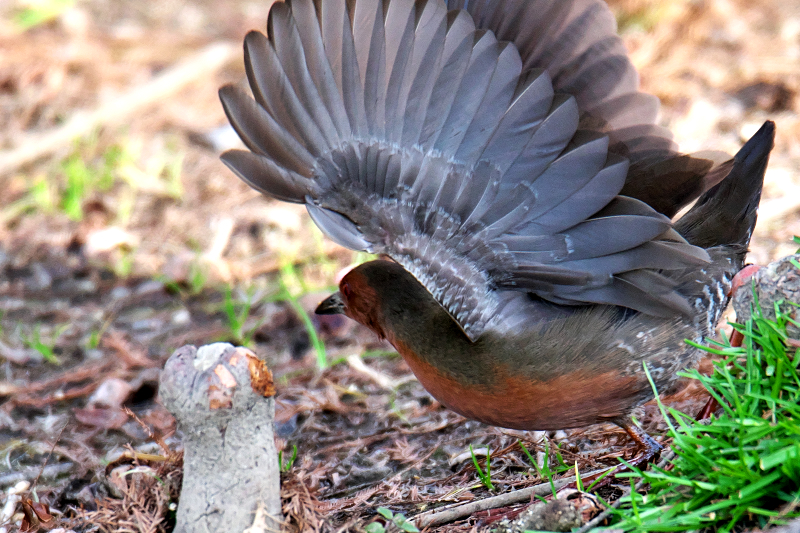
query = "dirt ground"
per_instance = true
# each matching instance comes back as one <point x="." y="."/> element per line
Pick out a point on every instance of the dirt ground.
<point x="132" y="239"/>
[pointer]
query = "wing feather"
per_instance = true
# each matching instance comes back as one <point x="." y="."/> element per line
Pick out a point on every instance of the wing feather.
<point x="267" y="79"/>
<point x="494" y="104"/>
<point x="429" y="41"/>
<point x="262" y="133"/>
<point x="296" y="61"/>
<point x="576" y="42"/>
<point x="319" y="68"/>
<point x="414" y="132"/>
<point x="370" y="45"/>
<point x="458" y="48"/>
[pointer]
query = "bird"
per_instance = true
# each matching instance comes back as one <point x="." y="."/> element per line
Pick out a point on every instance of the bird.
<point x="501" y="161"/>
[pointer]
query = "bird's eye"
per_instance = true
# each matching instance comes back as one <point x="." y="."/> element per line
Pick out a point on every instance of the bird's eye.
<point x="346" y="290"/>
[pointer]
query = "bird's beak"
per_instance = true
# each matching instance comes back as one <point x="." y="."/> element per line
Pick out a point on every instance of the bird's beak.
<point x="332" y="305"/>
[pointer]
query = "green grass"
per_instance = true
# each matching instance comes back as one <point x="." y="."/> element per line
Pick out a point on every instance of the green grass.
<point x="485" y="477"/>
<point x="237" y="311"/>
<point x="85" y="173"/>
<point x="119" y="171"/>
<point x="196" y="279"/>
<point x="742" y="468"/>
<point x="47" y="348"/>
<point x="286" y="464"/>
<point x="546" y="471"/>
<point x="93" y="340"/>
<point x="293" y="286"/>
<point x="40" y="12"/>
<point x="394" y="522"/>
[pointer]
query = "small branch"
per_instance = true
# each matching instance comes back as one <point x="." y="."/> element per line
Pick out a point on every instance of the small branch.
<point x="449" y="514"/>
<point x="385" y="382"/>
<point x="119" y="110"/>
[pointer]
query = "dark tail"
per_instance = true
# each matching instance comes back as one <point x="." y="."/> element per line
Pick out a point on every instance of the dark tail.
<point x="725" y="215"/>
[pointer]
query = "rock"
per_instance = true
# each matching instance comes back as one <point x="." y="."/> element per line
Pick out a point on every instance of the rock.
<point x="571" y="510"/>
<point x="777" y="282"/>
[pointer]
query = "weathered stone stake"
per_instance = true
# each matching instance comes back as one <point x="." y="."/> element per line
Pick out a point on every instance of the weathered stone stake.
<point x="223" y="400"/>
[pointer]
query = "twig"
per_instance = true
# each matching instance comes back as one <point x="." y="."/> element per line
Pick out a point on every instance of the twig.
<point x="130" y="356"/>
<point x="597" y="520"/>
<point x="774" y="210"/>
<point x="449" y="514"/>
<point x="355" y="362"/>
<point x="48" y="472"/>
<point x="200" y="65"/>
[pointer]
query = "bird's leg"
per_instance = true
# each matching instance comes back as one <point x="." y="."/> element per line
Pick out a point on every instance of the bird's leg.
<point x="741" y="278"/>
<point x="737" y="338"/>
<point x="648" y="447"/>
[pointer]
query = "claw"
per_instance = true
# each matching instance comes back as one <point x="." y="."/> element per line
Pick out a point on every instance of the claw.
<point x="649" y="448"/>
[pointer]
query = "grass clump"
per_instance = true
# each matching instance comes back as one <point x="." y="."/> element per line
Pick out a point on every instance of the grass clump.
<point x="237" y="312"/>
<point x="547" y="471"/>
<point x="46" y="348"/>
<point x="286" y="464"/>
<point x="117" y="173"/>
<point x="394" y="522"/>
<point x="485" y="477"/>
<point x="742" y="468"/>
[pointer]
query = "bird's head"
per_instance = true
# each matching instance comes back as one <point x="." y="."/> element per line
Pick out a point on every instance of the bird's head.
<point x="390" y="301"/>
<point x="361" y="294"/>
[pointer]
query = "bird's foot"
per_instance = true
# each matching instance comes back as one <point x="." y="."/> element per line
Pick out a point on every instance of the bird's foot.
<point x="648" y="452"/>
<point x="649" y="449"/>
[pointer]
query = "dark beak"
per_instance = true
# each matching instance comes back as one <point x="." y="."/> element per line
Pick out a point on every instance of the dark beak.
<point x="332" y="305"/>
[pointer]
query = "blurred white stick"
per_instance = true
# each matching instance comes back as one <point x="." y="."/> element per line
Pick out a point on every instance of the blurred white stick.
<point x="117" y="110"/>
<point x="774" y="209"/>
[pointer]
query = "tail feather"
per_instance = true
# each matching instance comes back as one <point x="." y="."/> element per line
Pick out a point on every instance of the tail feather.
<point x="725" y="215"/>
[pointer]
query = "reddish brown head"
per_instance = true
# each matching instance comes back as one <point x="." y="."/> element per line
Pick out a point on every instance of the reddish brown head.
<point x="386" y="298"/>
<point x="358" y="296"/>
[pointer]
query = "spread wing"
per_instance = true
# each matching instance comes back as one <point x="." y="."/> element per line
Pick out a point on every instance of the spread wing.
<point x="408" y="131"/>
<point x="576" y="42"/>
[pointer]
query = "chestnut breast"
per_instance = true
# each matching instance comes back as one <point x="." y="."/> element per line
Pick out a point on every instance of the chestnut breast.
<point x="508" y="398"/>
